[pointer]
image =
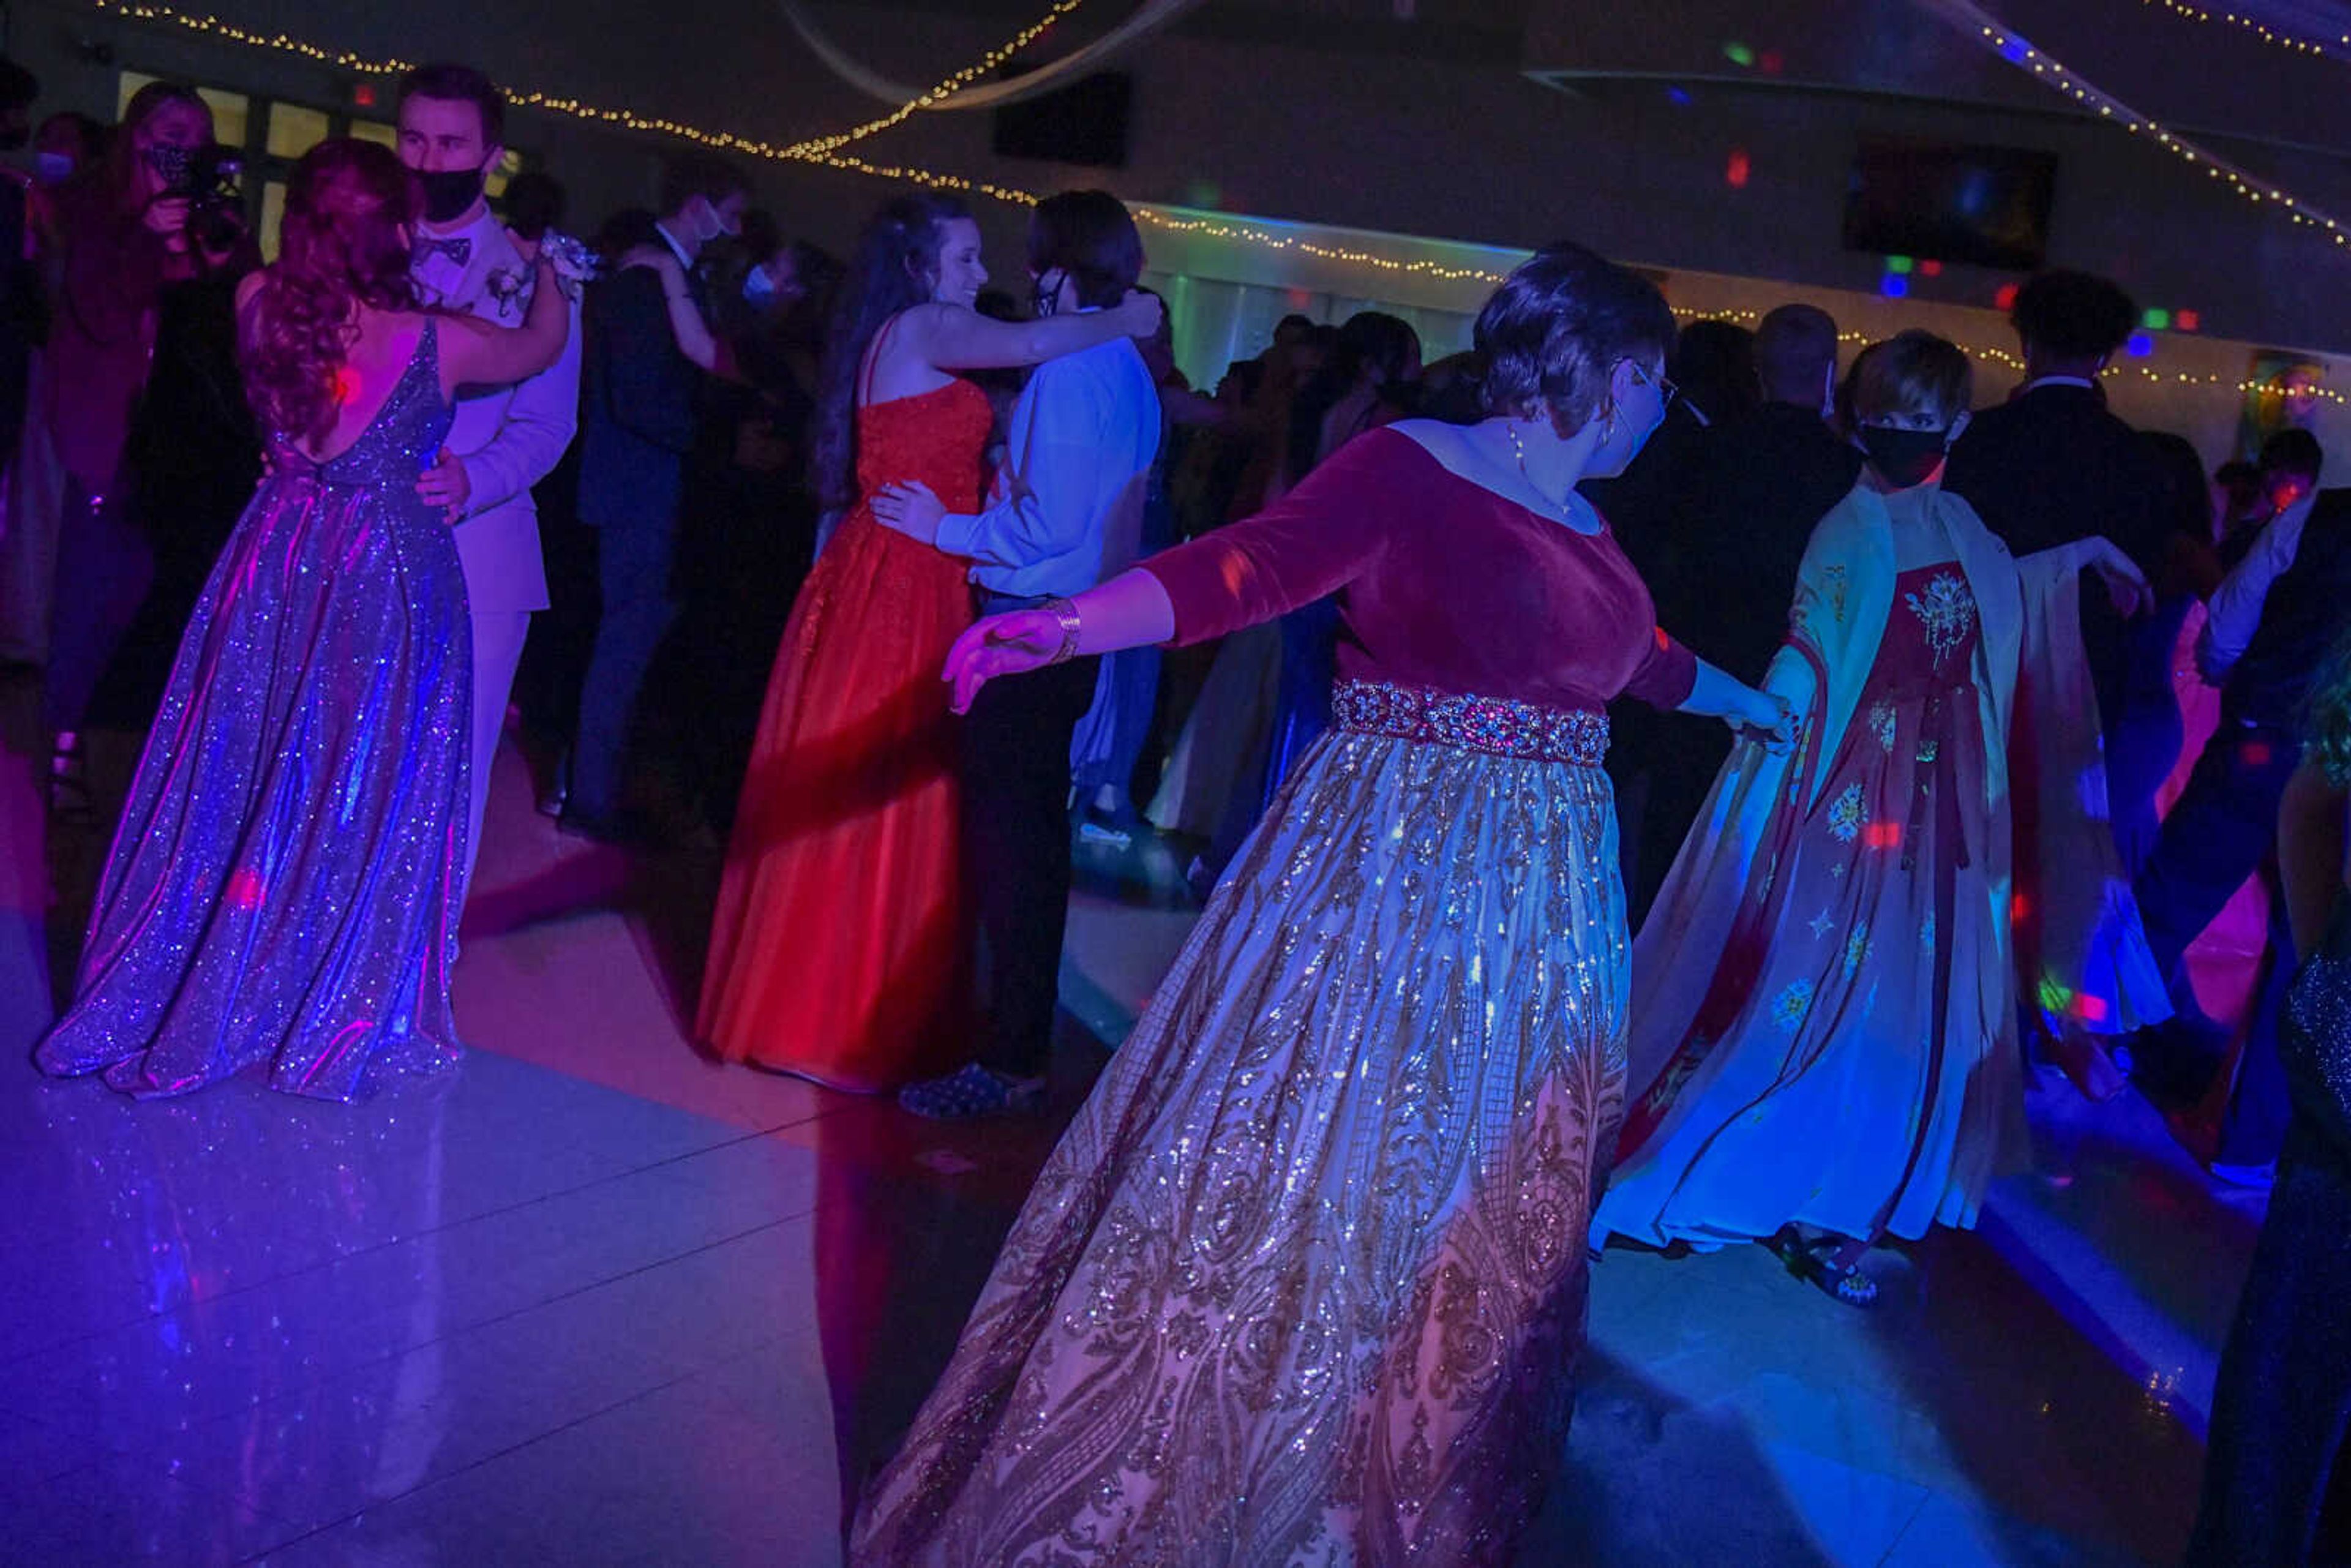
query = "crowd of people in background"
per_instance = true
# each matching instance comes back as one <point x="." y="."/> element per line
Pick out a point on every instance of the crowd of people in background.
<point x="1958" y="727"/>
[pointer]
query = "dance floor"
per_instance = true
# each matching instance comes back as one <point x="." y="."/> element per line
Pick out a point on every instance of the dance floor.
<point x="600" y="1302"/>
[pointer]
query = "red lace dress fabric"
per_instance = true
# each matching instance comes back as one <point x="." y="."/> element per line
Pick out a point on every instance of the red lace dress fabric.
<point x="840" y="946"/>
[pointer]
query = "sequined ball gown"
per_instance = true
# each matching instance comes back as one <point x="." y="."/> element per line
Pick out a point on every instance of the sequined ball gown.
<point x="285" y="883"/>
<point x="840" y="950"/>
<point x="2276" y="1489"/>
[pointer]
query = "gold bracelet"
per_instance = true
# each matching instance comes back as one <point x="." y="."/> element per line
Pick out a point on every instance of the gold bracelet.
<point x="1062" y="611"/>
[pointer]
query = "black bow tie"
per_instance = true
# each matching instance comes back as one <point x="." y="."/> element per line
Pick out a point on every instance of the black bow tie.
<point x="459" y="249"/>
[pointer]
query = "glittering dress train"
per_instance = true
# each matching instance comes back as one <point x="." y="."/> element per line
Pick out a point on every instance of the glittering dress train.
<point x="1303" y="1285"/>
<point x="285" y="883"/>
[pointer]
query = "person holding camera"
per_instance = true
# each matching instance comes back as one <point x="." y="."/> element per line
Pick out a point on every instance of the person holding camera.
<point x="159" y="212"/>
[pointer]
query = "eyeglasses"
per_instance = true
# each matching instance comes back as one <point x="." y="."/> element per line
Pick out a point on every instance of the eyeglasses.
<point x="1667" y="388"/>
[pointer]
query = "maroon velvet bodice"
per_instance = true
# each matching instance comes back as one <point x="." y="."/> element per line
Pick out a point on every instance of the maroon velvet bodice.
<point x="1442" y="584"/>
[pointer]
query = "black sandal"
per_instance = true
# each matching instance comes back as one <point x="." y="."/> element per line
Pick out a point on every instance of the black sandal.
<point x="1813" y="1262"/>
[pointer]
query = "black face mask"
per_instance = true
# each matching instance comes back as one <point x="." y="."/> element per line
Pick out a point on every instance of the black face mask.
<point x="1904" y="457"/>
<point x="450" y="193"/>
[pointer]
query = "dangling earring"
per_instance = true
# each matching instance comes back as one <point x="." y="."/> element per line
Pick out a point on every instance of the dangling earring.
<point x="1608" y="425"/>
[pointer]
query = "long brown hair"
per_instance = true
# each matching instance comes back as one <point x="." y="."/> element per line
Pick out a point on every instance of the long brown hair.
<point x="119" y="170"/>
<point x="343" y="245"/>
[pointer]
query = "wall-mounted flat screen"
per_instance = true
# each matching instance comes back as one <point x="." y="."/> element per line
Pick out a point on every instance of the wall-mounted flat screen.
<point x="1989" y="205"/>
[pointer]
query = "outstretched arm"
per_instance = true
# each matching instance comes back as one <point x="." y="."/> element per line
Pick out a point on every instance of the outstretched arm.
<point x="476" y="353"/>
<point x="1131" y="610"/>
<point x="953" y="339"/>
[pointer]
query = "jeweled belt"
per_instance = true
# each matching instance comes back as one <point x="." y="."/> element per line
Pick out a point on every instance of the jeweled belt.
<point x="1500" y="725"/>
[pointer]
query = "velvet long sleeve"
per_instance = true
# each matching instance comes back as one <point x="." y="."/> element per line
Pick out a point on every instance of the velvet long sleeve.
<point x="1443" y="585"/>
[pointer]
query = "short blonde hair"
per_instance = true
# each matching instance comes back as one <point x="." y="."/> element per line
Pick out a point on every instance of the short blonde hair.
<point x="1912" y="372"/>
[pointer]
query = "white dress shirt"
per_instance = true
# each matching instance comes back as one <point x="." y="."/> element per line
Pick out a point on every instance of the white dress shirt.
<point x="1066" y="511"/>
<point x="2234" y="614"/>
<point x="510" y="437"/>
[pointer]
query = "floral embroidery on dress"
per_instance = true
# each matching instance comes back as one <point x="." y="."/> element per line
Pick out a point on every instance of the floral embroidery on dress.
<point x="1845" y="817"/>
<point x="1788" y="1009"/>
<point x="1857" y="949"/>
<point x="1947" y="610"/>
<point x="1819" y="924"/>
<point x="1881" y="724"/>
<point x="1930" y="749"/>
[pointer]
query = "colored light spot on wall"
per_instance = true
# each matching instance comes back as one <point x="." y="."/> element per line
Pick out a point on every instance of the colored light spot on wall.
<point x="1893" y="285"/>
<point x="1930" y="269"/>
<point x="1901" y="264"/>
<point x="2156" y="320"/>
<point x="1738" y="54"/>
<point x="2186" y="321"/>
<point x="2140" y="346"/>
<point x="2004" y="297"/>
<point x="2254" y="753"/>
<point x="1769" y="62"/>
<point x="1735" y="172"/>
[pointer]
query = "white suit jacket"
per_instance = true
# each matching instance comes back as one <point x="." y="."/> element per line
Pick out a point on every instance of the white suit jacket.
<point x="511" y="437"/>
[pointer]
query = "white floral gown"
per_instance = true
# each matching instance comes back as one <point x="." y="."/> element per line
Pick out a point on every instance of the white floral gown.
<point x="1835" y="1072"/>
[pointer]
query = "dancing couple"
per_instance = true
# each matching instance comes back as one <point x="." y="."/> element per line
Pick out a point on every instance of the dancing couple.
<point x="285" y="886"/>
<point x="876" y="832"/>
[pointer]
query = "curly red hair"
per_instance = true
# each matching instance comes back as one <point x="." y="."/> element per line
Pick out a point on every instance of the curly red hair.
<point x="343" y="245"/>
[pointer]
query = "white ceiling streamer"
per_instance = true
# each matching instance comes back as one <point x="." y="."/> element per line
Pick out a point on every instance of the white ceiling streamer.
<point x="1148" y="19"/>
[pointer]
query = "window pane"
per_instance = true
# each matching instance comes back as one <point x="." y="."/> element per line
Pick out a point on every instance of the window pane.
<point x="510" y="165"/>
<point x="132" y="82"/>
<point x="294" y="130"/>
<point x="273" y="213"/>
<point x="377" y="132"/>
<point x="230" y="112"/>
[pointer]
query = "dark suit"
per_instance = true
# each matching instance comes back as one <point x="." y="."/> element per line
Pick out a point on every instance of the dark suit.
<point x="639" y="415"/>
<point x="2223" y="828"/>
<point x="1723" y="558"/>
<point x="2047" y="469"/>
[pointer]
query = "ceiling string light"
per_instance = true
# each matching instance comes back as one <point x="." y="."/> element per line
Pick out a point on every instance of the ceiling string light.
<point x="2333" y="48"/>
<point x="2053" y="73"/>
<point x="826" y="152"/>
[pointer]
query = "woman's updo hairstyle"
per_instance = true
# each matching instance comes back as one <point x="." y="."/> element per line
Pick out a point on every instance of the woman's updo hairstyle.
<point x="1555" y="330"/>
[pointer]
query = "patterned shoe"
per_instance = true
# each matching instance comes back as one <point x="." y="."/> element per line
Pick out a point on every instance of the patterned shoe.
<point x="970" y="1095"/>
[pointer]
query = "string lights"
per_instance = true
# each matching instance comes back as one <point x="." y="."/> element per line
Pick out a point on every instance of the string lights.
<point x="822" y="150"/>
<point x="1219" y="228"/>
<point x="2054" y="74"/>
<point x="828" y="150"/>
<point x="2275" y="38"/>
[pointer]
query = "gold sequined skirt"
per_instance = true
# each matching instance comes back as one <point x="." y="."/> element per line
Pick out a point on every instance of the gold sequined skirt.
<point x="1304" y="1283"/>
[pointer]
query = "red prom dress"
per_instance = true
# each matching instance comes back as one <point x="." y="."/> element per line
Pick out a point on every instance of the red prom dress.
<point x="840" y="950"/>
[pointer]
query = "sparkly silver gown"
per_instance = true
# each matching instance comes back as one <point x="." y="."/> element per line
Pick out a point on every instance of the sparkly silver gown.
<point x="285" y="883"/>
